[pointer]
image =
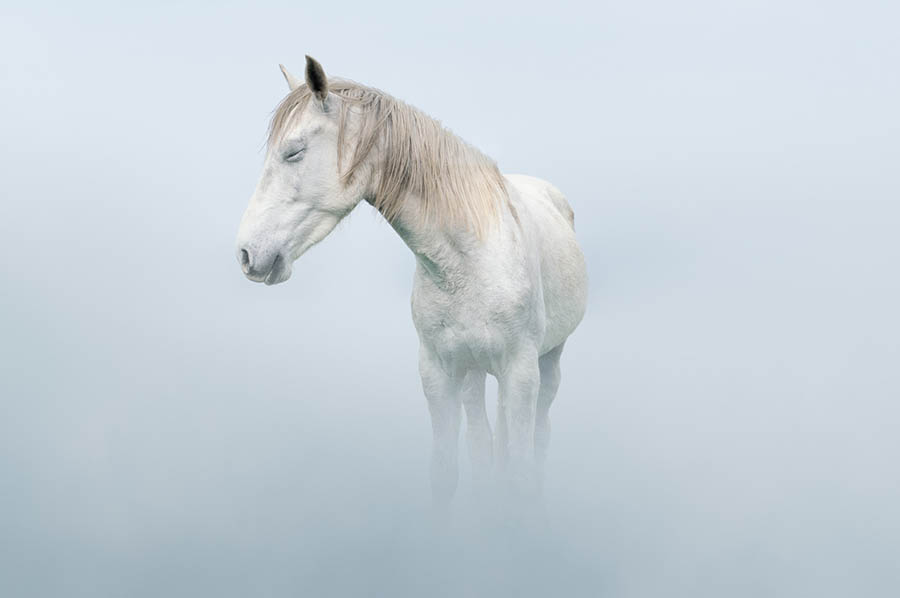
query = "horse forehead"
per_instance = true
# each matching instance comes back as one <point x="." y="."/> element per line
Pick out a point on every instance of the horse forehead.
<point x="304" y="129"/>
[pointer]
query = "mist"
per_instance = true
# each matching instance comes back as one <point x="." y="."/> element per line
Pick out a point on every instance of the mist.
<point x="727" y="420"/>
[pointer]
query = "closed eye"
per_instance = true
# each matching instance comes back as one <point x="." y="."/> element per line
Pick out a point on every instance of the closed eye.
<point x="294" y="155"/>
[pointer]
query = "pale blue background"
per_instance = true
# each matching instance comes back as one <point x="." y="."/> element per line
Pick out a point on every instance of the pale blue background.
<point x="728" y="419"/>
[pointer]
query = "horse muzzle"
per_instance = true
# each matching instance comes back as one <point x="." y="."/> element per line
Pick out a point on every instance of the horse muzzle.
<point x="261" y="268"/>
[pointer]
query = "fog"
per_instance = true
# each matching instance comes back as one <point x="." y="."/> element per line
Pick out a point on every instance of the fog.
<point x="727" y="420"/>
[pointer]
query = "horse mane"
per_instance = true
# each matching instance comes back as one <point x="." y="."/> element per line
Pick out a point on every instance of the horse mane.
<point x="455" y="183"/>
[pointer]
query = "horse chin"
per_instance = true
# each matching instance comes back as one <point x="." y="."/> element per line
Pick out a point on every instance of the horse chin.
<point x="279" y="273"/>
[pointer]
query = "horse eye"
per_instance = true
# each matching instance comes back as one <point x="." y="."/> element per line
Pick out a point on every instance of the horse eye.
<point x="295" y="155"/>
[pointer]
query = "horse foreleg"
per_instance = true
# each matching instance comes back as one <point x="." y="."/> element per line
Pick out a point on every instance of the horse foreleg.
<point x="478" y="429"/>
<point x="518" y="392"/>
<point x="442" y="391"/>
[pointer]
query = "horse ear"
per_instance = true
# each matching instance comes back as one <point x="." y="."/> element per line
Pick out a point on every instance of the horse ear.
<point x="292" y="81"/>
<point x="315" y="78"/>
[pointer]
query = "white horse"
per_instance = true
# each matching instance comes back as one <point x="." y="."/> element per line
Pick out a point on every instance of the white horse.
<point x="500" y="281"/>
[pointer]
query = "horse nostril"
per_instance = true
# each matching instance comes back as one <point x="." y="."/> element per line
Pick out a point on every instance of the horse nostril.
<point x="245" y="261"/>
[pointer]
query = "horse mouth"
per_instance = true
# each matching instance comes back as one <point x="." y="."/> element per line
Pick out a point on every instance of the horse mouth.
<point x="278" y="273"/>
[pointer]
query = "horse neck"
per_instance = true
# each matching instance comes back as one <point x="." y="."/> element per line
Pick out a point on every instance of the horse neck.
<point x="440" y="250"/>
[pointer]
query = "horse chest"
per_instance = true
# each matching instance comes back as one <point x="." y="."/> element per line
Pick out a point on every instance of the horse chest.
<point x="473" y="325"/>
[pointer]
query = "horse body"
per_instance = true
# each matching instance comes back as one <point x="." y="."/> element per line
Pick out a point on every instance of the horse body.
<point x="497" y="299"/>
<point x="503" y="306"/>
<point x="477" y="303"/>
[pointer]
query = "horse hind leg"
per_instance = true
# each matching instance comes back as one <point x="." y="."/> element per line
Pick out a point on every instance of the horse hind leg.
<point x="550" y="377"/>
<point x="501" y="440"/>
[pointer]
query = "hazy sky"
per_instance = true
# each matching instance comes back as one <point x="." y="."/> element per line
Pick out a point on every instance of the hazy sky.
<point x="727" y="421"/>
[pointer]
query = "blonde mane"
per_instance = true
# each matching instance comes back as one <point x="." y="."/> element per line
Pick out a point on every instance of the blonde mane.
<point x="455" y="183"/>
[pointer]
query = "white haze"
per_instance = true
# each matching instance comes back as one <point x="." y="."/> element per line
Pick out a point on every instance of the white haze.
<point x="727" y="421"/>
